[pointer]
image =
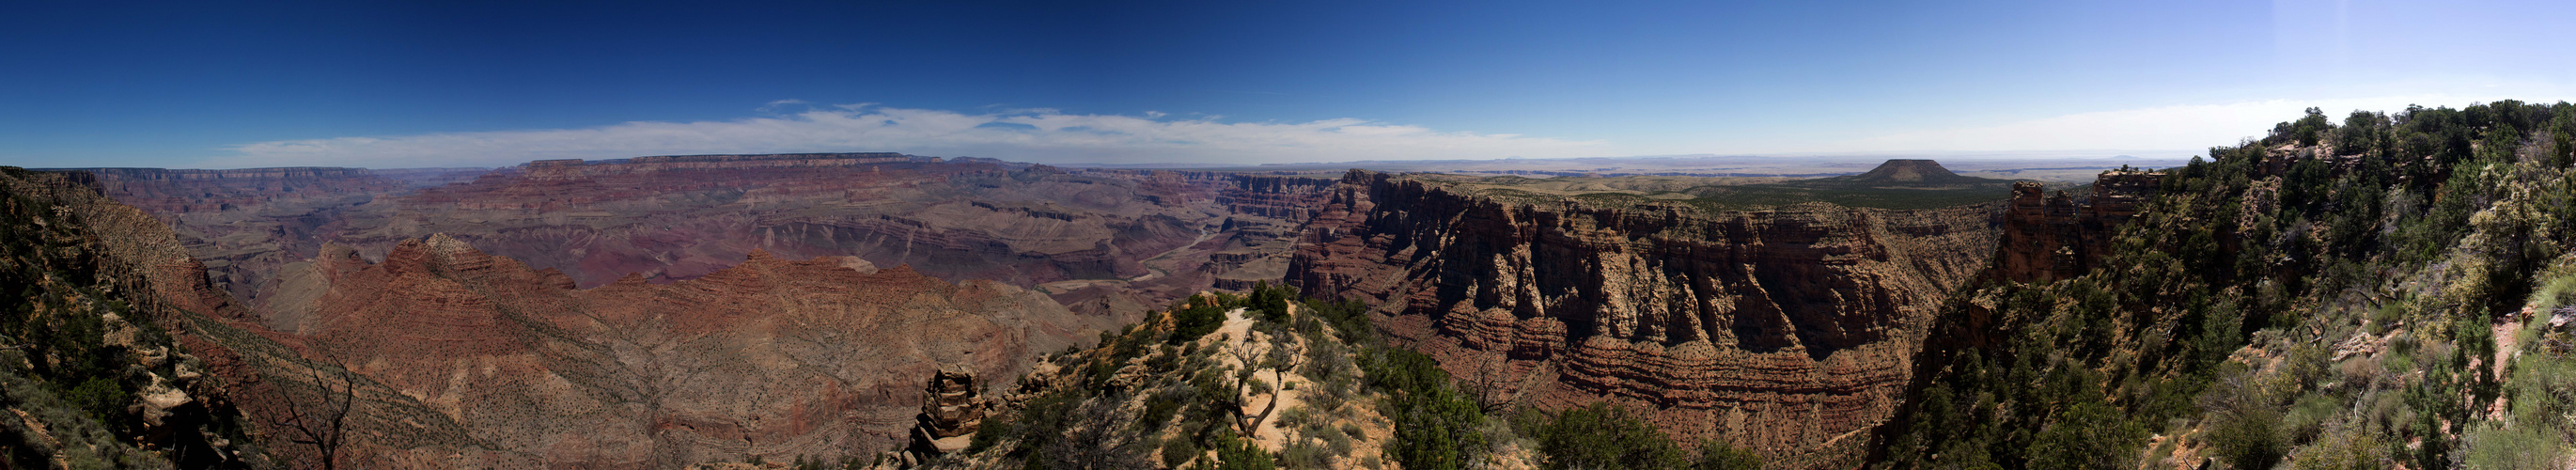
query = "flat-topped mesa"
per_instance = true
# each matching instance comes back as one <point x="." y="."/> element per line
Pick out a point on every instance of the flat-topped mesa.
<point x="1788" y="330"/>
<point x="1909" y="172"/>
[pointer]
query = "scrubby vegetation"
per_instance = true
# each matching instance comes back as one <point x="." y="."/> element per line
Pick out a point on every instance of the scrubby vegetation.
<point x="1606" y="436"/>
<point x="1174" y="392"/>
<point x="1200" y="391"/>
<point x="2377" y="292"/>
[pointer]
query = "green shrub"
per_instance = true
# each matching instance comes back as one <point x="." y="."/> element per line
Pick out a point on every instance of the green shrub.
<point x="2496" y="446"/>
<point x="2307" y="419"/>
<point x="2246" y="437"/>
<point x="1604" y="436"/>
<point x="1715" y="455"/>
<point x="1180" y="450"/>
<point x="1234" y="453"/>
<point x="1305" y="453"/>
<point x="2088" y="435"/>
<point x="2349" y="450"/>
<point x="1200" y="317"/>
<point x="104" y="399"/>
<point x="1435" y="428"/>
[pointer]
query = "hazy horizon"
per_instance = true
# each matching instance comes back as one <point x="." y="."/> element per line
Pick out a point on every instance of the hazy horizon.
<point x="395" y="86"/>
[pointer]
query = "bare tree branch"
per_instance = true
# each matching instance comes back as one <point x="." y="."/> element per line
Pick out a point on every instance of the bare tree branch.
<point x="323" y="421"/>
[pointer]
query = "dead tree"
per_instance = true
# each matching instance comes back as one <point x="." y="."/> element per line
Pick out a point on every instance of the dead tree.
<point x="1246" y="361"/>
<point x="320" y="422"/>
<point x="1284" y="352"/>
<point x="1494" y="386"/>
<point x="1287" y="352"/>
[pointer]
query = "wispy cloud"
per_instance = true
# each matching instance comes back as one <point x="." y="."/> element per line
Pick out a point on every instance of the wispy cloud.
<point x="1040" y="135"/>
<point x="2182" y="127"/>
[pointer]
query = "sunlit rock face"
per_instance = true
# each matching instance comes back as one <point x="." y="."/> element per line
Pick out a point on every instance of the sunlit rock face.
<point x="2050" y="236"/>
<point x="1790" y="330"/>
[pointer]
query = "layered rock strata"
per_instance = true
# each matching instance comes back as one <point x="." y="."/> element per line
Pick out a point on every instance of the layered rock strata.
<point x="2049" y="236"/>
<point x="1788" y="330"/>
<point x="952" y="409"/>
<point x="1106" y="241"/>
<point x="247" y="223"/>
<point x="1265" y="214"/>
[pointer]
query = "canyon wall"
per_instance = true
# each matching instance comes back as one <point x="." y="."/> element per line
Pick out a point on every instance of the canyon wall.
<point x="244" y="224"/>
<point x="1788" y="330"/>
<point x="2058" y="236"/>
<point x="1102" y="240"/>
<point x="456" y="358"/>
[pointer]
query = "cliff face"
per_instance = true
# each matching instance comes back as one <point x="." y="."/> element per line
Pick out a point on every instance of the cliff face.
<point x="770" y="357"/>
<point x="1788" y="330"/>
<point x="2058" y="236"/>
<point x="1266" y="213"/>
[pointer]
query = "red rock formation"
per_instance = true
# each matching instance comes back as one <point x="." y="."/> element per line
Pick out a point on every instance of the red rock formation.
<point x="952" y="409"/>
<point x="1790" y="330"/>
<point x="2058" y="236"/>
<point x="243" y="224"/>
<point x="1146" y="234"/>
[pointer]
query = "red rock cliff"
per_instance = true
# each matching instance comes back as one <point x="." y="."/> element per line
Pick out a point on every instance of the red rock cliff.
<point x="2058" y="236"/>
<point x="1789" y="330"/>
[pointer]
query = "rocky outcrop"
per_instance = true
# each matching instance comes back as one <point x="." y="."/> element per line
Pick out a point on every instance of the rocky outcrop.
<point x="1788" y="330"/>
<point x="2049" y="236"/>
<point x="105" y="297"/>
<point x="952" y="409"/>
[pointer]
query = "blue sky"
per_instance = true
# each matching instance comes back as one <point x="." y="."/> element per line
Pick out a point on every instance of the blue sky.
<point x="386" y="84"/>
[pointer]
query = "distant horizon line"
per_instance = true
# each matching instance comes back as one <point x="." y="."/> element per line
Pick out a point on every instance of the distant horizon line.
<point x="1972" y="155"/>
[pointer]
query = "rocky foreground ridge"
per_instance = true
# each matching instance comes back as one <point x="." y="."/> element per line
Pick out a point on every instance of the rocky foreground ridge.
<point x="1789" y="330"/>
